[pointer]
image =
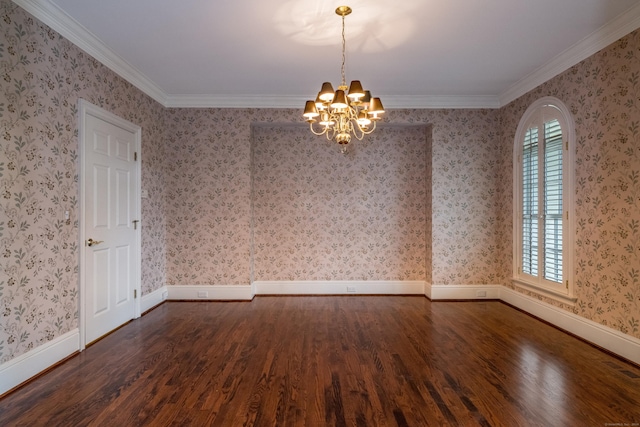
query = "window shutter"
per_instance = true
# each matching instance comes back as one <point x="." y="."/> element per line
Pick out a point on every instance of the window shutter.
<point x="552" y="191"/>
<point x="543" y="227"/>
<point x="530" y="202"/>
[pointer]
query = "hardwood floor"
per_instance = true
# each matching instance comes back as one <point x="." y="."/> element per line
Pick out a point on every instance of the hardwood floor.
<point x="325" y="361"/>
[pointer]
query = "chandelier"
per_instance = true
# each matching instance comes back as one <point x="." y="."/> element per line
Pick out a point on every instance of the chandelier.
<point x="341" y="114"/>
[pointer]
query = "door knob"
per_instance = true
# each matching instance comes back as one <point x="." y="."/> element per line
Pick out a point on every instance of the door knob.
<point x="92" y="242"/>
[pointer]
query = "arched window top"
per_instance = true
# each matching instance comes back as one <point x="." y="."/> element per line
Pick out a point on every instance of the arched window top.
<point x="545" y="109"/>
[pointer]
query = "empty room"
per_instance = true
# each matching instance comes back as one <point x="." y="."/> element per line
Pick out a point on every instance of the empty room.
<point x="206" y="218"/>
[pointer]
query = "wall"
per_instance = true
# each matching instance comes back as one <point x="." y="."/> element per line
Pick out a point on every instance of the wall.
<point x="603" y="95"/>
<point x="42" y="76"/>
<point x="322" y="215"/>
<point x="207" y="183"/>
<point x="428" y="208"/>
<point x="209" y="197"/>
<point x="467" y="239"/>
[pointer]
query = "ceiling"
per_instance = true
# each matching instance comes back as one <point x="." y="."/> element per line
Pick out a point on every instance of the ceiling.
<point x="276" y="53"/>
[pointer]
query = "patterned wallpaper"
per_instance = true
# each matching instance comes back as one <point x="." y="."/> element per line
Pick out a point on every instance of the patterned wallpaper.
<point x="41" y="78"/>
<point x="197" y="166"/>
<point x="209" y="197"/>
<point x="467" y="240"/>
<point x="428" y="208"/>
<point x="603" y="94"/>
<point x="208" y="212"/>
<point x="321" y="215"/>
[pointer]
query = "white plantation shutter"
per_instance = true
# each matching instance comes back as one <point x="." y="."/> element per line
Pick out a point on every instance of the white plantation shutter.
<point x="542" y="191"/>
<point x="530" y="202"/>
<point x="553" y="201"/>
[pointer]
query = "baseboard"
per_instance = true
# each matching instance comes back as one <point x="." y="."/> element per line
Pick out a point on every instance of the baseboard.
<point x="150" y="300"/>
<point x="462" y="292"/>
<point x="22" y="368"/>
<point x="210" y="292"/>
<point x="602" y="336"/>
<point x="607" y="338"/>
<point x="348" y="287"/>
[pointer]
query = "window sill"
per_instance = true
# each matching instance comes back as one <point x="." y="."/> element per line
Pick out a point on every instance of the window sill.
<point x="554" y="294"/>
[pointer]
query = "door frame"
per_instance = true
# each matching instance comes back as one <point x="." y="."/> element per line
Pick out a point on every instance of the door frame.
<point x="85" y="108"/>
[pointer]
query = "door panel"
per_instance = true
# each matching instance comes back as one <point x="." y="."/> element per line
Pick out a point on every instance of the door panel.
<point x="123" y="209"/>
<point x="123" y="267"/>
<point x="99" y="282"/>
<point x="100" y="204"/>
<point x="111" y="241"/>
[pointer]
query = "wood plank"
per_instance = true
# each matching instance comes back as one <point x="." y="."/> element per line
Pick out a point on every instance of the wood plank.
<point x="334" y="360"/>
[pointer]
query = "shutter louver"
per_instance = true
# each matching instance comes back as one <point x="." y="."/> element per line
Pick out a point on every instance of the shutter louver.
<point x="552" y="235"/>
<point x="530" y="202"/>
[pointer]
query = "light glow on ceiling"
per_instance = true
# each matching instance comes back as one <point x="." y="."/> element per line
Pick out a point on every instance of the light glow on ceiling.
<point x="373" y="27"/>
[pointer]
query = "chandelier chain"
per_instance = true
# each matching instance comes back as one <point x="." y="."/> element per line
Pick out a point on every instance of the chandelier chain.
<point x="344" y="55"/>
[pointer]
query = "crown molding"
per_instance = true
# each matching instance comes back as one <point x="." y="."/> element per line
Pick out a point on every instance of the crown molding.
<point x="51" y="15"/>
<point x="234" y="101"/>
<point x="432" y="101"/>
<point x="275" y="101"/>
<point x="617" y="28"/>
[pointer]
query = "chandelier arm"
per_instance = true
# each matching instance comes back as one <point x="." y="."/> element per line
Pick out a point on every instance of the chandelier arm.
<point x="370" y="130"/>
<point x="330" y="135"/>
<point x="314" y="131"/>
<point x="358" y="132"/>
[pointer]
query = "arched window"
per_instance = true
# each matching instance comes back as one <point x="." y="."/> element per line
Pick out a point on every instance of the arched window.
<point x="543" y="197"/>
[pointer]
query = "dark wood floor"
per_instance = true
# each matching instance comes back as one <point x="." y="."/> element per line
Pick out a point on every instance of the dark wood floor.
<point x="321" y="361"/>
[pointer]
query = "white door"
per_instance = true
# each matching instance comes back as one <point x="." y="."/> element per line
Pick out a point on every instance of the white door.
<point x="109" y="226"/>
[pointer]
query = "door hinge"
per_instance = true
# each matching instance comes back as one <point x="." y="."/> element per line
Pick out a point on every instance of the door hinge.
<point x="135" y="293"/>
<point x="566" y="145"/>
<point x="135" y="156"/>
<point x="567" y="282"/>
<point x="567" y="215"/>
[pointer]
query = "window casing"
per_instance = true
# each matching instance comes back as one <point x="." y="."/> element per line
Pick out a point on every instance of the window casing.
<point x="543" y="200"/>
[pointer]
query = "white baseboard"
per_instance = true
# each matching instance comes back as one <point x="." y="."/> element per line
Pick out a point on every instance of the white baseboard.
<point x="22" y="368"/>
<point x="307" y="287"/>
<point x="150" y="300"/>
<point x="607" y="338"/>
<point x="349" y="287"/>
<point x="209" y="292"/>
<point x="593" y="332"/>
<point x="462" y="292"/>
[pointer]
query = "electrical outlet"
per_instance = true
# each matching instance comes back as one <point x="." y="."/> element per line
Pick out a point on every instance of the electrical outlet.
<point x="351" y="289"/>
<point x="481" y="294"/>
<point x="203" y="294"/>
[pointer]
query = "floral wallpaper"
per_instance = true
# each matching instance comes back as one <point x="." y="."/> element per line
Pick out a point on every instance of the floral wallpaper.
<point x="42" y="76"/>
<point x="208" y="210"/>
<point x="603" y="94"/>
<point x="428" y="208"/>
<point x="321" y="215"/>
<point x="209" y="199"/>
<point x="466" y="237"/>
<point x="233" y="196"/>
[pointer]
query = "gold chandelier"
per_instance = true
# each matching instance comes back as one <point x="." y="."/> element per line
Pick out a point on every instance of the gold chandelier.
<point x="343" y="114"/>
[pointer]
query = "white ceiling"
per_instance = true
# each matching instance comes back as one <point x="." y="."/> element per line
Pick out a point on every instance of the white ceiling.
<point x="276" y="53"/>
